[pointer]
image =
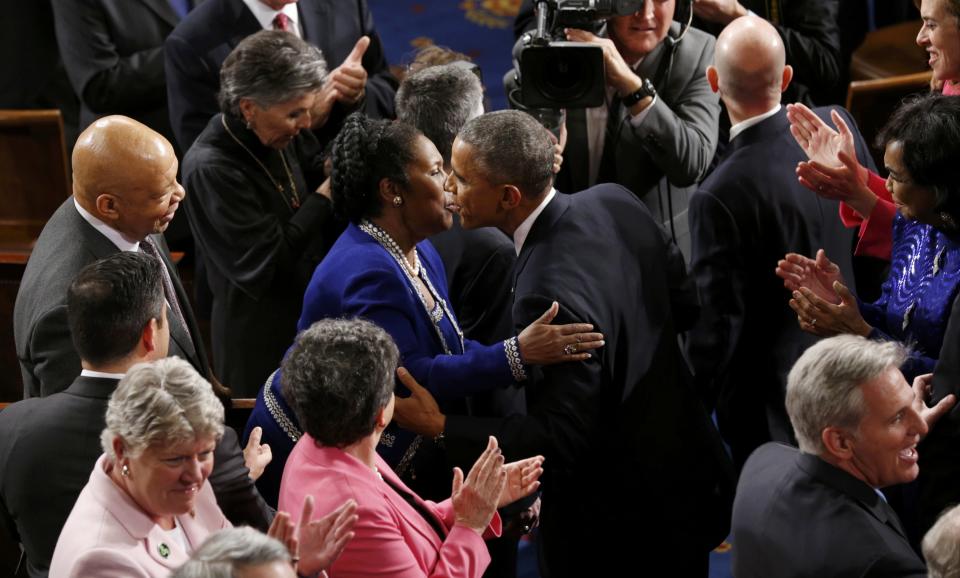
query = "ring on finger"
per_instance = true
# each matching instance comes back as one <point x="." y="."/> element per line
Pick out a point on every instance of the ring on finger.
<point x="569" y="349"/>
<point x="578" y="338"/>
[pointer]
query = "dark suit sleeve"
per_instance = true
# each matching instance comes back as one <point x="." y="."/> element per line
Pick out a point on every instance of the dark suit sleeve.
<point x="236" y="493"/>
<point x="555" y="424"/>
<point x="106" y="81"/>
<point x="51" y="354"/>
<point x="811" y="37"/>
<point x="684" y="299"/>
<point x="718" y="267"/>
<point x="192" y="90"/>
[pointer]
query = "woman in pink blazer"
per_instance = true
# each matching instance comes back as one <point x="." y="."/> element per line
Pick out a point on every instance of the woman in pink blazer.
<point x="148" y="504"/>
<point x="339" y="379"/>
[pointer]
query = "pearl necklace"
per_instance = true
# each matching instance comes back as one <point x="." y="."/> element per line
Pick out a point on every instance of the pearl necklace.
<point x="412" y="272"/>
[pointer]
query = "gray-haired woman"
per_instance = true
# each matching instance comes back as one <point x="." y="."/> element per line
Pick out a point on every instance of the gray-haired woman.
<point x="260" y="218"/>
<point x="238" y="552"/>
<point x="147" y="504"/>
<point x="339" y="378"/>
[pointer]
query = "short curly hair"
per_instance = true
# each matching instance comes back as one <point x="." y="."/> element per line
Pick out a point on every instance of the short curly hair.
<point x="365" y="152"/>
<point x="337" y="376"/>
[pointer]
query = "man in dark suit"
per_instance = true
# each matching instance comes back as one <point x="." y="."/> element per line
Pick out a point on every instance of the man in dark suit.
<point x="197" y="48"/>
<point x="819" y="511"/>
<point x="658" y="131"/>
<point x="631" y="456"/>
<point x="113" y="54"/>
<point x="49" y="445"/>
<point x="125" y="194"/>
<point x="745" y="216"/>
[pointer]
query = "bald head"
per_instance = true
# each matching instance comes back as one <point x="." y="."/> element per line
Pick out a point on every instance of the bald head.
<point x="749" y="66"/>
<point x="124" y="173"/>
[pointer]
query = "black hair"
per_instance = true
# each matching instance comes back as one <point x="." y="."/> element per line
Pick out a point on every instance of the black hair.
<point x="927" y="127"/>
<point x="110" y="302"/>
<point x="365" y="152"/>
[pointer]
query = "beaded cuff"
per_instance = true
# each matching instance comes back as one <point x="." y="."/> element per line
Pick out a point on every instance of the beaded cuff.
<point x="277" y="413"/>
<point x="512" y="348"/>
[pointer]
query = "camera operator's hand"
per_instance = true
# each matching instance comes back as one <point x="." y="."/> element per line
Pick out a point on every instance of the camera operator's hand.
<point x="619" y="75"/>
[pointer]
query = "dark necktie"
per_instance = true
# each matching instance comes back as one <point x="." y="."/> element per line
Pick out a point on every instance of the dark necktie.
<point x="420" y="508"/>
<point x="281" y="22"/>
<point x="149" y="248"/>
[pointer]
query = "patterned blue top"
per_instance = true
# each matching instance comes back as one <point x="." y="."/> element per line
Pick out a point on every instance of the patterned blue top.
<point x="916" y="298"/>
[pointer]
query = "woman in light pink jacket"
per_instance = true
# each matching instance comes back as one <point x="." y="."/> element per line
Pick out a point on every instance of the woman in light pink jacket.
<point x="148" y="504"/>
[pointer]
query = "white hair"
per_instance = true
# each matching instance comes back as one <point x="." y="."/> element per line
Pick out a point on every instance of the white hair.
<point x="823" y="388"/>
<point x="162" y="402"/>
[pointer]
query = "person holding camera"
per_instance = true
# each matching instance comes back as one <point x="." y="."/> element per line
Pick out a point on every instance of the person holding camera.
<point x="657" y="132"/>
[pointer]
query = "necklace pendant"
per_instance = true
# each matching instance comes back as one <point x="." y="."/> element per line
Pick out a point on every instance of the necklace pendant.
<point x="295" y="202"/>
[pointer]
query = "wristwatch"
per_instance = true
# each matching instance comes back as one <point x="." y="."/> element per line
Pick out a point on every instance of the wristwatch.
<point x="646" y="89"/>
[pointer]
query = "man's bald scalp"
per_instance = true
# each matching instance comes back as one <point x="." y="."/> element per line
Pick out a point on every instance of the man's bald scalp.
<point x="750" y="59"/>
<point x="112" y="154"/>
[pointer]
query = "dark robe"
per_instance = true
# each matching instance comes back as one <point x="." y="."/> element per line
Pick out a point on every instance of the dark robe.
<point x="259" y="247"/>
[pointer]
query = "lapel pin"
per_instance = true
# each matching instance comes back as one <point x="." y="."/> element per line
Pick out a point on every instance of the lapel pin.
<point x="164" y="550"/>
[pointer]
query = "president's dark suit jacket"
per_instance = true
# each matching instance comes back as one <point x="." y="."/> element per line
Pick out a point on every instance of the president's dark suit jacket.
<point x="67" y="244"/>
<point x="796" y="515"/>
<point x="631" y="455"/>
<point x="197" y="48"/>
<point x="113" y="54"/>
<point x="49" y="362"/>
<point x="745" y="217"/>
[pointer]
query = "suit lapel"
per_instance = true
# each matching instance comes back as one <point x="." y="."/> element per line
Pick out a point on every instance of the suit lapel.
<point x="545" y="221"/>
<point x="413" y="518"/>
<point x="164" y="10"/>
<point x="187" y="338"/>
<point x="98" y="245"/>
<point x="245" y="22"/>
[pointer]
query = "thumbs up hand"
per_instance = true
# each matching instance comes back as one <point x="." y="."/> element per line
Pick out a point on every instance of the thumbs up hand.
<point x="350" y="78"/>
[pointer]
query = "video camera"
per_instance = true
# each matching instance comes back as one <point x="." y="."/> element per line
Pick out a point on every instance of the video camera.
<point x="552" y="73"/>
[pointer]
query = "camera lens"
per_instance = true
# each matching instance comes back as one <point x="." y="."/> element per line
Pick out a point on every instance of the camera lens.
<point x="566" y="77"/>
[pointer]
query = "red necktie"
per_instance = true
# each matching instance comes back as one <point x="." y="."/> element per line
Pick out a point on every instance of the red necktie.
<point x="281" y="22"/>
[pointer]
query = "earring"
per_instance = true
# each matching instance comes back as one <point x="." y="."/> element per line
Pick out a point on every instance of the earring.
<point x="247" y="122"/>
<point x="397" y="201"/>
<point x="948" y="220"/>
<point x="125" y="471"/>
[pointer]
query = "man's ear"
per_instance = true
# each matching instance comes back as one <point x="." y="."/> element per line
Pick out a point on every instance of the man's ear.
<point x="108" y="207"/>
<point x="838" y="442"/>
<point x="713" y="79"/>
<point x="510" y="197"/>
<point x="150" y="335"/>
<point x="787" y="77"/>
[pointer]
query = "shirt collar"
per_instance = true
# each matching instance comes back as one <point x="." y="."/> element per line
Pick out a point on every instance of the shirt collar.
<point x="744" y="125"/>
<point x="106" y="230"/>
<point x="265" y="14"/>
<point x="520" y="235"/>
<point x="102" y="374"/>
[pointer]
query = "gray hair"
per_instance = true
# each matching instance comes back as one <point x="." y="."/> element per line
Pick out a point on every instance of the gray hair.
<point x="337" y="376"/>
<point x="823" y="388"/>
<point x="438" y="101"/>
<point x="941" y="545"/>
<point x="511" y="147"/>
<point x="163" y="402"/>
<point x="226" y="551"/>
<point x="270" y="67"/>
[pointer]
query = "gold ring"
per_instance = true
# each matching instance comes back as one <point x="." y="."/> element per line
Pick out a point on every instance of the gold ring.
<point x="569" y="349"/>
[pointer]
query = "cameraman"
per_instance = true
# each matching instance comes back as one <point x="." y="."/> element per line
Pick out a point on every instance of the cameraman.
<point x="658" y="131"/>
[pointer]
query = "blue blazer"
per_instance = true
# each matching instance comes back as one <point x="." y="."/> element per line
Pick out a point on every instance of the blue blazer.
<point x="358" y="278"/>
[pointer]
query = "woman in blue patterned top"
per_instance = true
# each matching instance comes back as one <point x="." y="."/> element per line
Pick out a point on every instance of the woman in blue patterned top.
<point x="922" y="157"/>
<point x="387" y="181"/>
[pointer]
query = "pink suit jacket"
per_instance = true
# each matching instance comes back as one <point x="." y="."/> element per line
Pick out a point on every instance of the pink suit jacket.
<point x="391" y="537"/>
<point x="108" y="535"/>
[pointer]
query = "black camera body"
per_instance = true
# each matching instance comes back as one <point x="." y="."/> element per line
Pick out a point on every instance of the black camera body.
<point x="555" y="73"/>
